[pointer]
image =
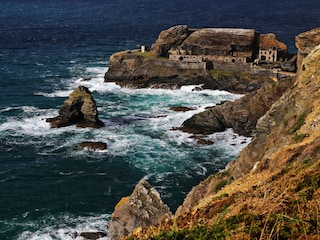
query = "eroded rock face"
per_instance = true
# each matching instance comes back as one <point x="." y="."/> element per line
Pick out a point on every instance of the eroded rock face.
<point x="305" y="42"/>
<point x="80" y="109"/>
<point x="241" y="115"/>
<point x="221" y="41"/>
<point x="141" y="209"/>
<point x="169" y="38"/>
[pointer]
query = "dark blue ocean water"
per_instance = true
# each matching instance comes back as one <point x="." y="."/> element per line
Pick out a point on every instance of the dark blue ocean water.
<point x="48" y="188"/>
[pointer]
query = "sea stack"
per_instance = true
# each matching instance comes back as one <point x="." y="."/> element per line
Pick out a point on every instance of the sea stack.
<point x="80" y="109"/>
<point x="142" y="209"/>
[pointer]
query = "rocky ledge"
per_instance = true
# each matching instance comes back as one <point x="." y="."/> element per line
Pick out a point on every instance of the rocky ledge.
<point x="241" y="115"/>
<point x="137" y="212"/>
<point x="80" y="109"/>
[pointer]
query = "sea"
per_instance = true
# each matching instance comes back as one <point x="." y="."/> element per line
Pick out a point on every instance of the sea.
<point x="51" y="189"/>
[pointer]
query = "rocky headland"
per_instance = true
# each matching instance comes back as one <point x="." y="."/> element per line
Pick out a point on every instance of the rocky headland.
<point x="272" y="190"/>
<point x="224" y="59"/>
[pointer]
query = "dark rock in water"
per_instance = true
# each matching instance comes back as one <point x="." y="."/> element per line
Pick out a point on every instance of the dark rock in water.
<point x="85" y="79"/>
<point x="80" y="109"/>
<point x="93" y="145"/>
<point x="92" y="235"/>
<point x="206" y="122"/>
<point x="181" y="108"/>
<point x="141" y="209"/>
<point x="241" y="115"/>
<point x="197" y="89"/>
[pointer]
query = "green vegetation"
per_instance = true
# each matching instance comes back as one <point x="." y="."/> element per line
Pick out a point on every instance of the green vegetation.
<point x="300" y="137"/>
<point x="245" y="226"/>
<point x="298" y="124"/>
<point x="199" y="232"/>
<point x="220" y="185"/>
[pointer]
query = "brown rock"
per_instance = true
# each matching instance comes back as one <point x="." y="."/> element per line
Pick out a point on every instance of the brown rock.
<point x="92" y="235"/>
<point x="93" y="145"/>
<point x="206" y="122"/>
<point x="141" y="209"/>
<point x="80" y="109"/>
<point x="305" y="42"/>
<point x="241" y="115"/>
<point x="181" y="108"/>
<point x="169" y="38"/>
<point x="221" y="41"/>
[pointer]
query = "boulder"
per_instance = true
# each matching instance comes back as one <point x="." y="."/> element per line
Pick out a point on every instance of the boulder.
<point x="206" y="122"/>
<point x="241" y="115"/>
<point x="169" y="38"/>
<point x="305" y="42"/>
<point x="181" y="108"/>
<point x="141" y="209"/>
<point x="92" y="235"/>
<point x="93" y="145"/>
<point x="80" y="109"/>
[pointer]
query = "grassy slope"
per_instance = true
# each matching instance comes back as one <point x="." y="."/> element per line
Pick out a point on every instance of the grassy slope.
<point x="280" y="197"/>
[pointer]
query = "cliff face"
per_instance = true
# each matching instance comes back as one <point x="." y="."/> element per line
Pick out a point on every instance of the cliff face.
<point x="141" y="209"/>
<point x="305" y="42"/>
<point x="272" y="190"/>
<point x="241" y="115"/>
<point x="218" y="48"/>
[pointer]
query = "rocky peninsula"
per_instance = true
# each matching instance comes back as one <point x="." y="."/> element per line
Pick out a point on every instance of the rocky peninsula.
<point x="272" y="189"/>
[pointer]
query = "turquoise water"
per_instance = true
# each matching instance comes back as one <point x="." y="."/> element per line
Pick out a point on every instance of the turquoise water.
<point x="50" y="189"/>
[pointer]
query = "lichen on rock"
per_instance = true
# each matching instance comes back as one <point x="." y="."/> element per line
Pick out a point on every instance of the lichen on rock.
<point x="141" y="209"/>
<point x="80" y="109"/>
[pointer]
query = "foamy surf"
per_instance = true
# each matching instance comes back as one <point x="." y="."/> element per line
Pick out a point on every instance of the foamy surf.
<point x="65" y="227"/>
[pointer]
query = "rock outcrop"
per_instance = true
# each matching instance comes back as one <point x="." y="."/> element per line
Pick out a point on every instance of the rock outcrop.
<point x="305" y="42"/>
<point x="169" y="38"/>
<point x="140" y="210"/>
<point x="93" y="145"/>
<point x="216" y="50"/>
<point x="140" y="70"/>
<point x="221" y="41"/>
<point x="80" y="109"/>
<point x="241" y="115"/>
<point x="272" y="190"/>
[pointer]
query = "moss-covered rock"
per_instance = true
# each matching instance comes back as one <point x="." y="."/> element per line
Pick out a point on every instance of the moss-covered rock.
<point x="80" y="109"/>
<point x="140" y="210"/>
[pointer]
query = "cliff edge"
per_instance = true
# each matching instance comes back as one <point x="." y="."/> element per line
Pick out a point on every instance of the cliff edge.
<point x="272" y="190"/>
<point x="236" y="60"/>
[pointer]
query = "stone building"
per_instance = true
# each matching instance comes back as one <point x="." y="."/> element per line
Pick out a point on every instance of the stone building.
<point x="269" y="55"/>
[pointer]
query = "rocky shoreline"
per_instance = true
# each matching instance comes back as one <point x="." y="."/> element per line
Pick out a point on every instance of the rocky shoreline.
<point x="280" y="111"/>
<point x="271" y="177"/>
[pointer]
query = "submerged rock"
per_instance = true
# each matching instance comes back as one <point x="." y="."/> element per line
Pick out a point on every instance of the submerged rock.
<point x="93" y="145"/>
<point x="80" y="109"/>
<point x="141" y="209"/>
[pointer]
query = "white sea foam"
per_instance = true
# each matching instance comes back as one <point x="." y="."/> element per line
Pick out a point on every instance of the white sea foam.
<point x="57" y="93"/>
<point x="230" y="141"/>
<point x="8" y="109"/>
<point x="66" y="227"/>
